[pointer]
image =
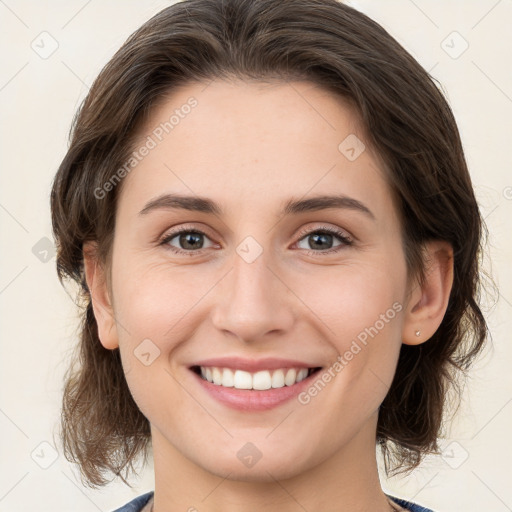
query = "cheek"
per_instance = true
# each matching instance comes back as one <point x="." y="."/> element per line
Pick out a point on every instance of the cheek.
<point x="154" y="301"/>
<point x="153" y="309"/>
<point x="352" y="300"/>
<point x="360" y="314"/>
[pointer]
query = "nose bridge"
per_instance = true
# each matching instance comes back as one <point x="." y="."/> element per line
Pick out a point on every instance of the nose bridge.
<point x="251" y="275"/>
<point x="254" y="301"/>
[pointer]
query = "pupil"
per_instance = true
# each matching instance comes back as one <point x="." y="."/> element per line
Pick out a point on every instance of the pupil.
<point x="320" y="238"/>
<point x="191" y="239"/>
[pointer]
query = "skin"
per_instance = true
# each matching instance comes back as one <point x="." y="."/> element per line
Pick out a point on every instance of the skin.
<point x="251" y="147"/>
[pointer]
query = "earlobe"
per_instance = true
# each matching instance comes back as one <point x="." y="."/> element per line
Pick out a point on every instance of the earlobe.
<point x="428" y="302"/>
<point x="100" y="298"/>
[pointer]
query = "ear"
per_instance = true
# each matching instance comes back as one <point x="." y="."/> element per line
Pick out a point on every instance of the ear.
<point x="101" y="302"/>
<point x="427" y="304"/>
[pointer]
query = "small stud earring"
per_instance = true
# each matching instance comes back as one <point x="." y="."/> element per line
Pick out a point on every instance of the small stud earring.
<point x="417" y="333"/>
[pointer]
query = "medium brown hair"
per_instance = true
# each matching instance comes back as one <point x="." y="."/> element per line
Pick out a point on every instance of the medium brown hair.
<point x="408" y="123"/>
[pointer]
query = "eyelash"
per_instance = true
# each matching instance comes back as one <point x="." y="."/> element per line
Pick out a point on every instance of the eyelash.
<point x="346" y="241"/>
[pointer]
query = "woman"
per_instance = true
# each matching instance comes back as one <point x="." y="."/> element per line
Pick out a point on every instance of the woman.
<point x="217" y="151"/>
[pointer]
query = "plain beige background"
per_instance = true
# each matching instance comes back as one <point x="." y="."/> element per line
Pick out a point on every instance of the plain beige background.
<point x="51" y="52"/>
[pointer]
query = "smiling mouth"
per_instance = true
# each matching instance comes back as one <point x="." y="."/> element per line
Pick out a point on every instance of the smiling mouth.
<point x="261" y="380"/>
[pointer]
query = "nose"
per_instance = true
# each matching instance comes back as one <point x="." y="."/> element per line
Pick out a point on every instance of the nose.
<point x="253" y="301"/>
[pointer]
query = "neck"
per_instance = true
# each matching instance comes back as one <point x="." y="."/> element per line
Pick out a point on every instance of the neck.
<point x="348" y="480"/>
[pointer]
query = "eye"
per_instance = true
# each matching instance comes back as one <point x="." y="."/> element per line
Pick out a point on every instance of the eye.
<point x="190" y="240"/>
<point x="321" y="240"/>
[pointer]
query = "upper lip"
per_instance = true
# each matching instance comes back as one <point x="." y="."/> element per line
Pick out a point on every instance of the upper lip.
<point x="253" y="365"/>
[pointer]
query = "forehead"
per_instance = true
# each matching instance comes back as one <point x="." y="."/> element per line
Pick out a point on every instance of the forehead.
<point x="254" y="143"/>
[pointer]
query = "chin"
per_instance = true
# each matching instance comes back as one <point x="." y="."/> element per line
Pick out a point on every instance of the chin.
<point x="262" y="471"/>
<point x="248" y="464"/>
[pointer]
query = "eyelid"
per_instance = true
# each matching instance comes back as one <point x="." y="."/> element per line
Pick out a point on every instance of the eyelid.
<point x="182" y="228"/>
<point x="179" y="228"/>
<point x="342" y="233"/>
<point x="346" y="239"/>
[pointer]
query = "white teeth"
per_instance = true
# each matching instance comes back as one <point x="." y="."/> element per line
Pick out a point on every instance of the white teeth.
<point x="261" y="380"/>
<point x="217" y="376"/>
<point x="228" y="378"/>
<point x="242" y="380"/>
<point x="303" y="373"/>
<point x="278" y="379"/>
<point x="291" y="375"/>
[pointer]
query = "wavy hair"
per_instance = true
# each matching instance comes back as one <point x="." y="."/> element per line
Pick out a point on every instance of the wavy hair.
<point x="408" y="123"/>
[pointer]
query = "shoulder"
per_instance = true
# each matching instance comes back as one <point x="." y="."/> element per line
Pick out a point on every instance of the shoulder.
<point x="137" y="504"/>
<point x="408" y="505"/>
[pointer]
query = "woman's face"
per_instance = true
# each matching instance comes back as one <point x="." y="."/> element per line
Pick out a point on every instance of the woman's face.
<point x="256" y="279"/>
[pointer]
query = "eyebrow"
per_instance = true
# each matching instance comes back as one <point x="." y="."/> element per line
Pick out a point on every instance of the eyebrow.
<point x="205" y="205"/>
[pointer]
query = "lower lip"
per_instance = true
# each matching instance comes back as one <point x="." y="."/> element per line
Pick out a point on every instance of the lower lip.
<point x="254" y="400"/>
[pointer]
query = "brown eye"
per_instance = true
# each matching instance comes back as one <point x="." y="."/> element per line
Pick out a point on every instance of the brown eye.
<point x="322" y="240"/>
<point x="185" y="241"/>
